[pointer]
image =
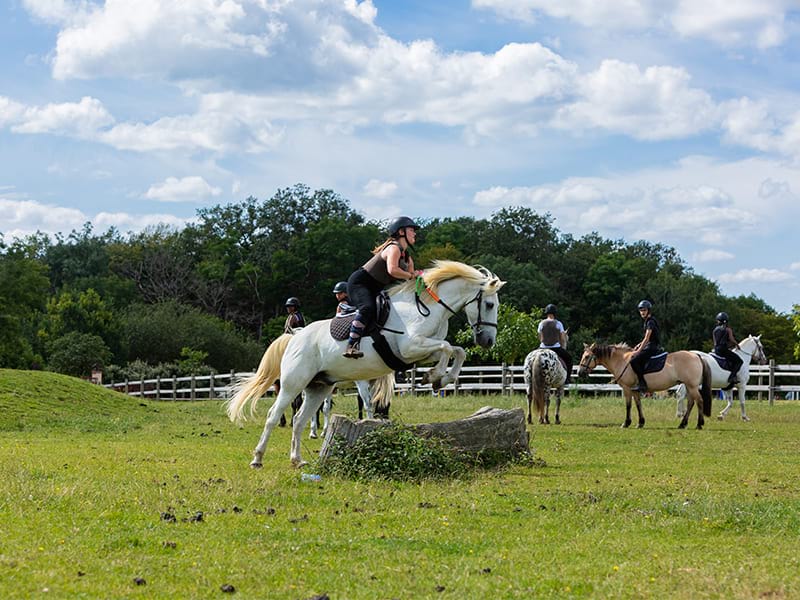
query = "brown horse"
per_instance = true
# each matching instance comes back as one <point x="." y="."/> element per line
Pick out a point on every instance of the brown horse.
<point x="681" y="367"/>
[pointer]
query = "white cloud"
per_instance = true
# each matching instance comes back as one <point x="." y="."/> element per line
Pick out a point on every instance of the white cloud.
<point x="375" y="188"/>
<point x="795" y="266"/>
<point x="78" y="119"/>
<point x="755" y="275"/>
<point x="655" y="104"/>
<point x="759" y="23"/>
<point x="186" y="189"/>
<point x="712" y="255"/>
<point x="25" y="217"/>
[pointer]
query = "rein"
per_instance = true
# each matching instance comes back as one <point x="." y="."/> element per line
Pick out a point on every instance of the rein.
<point x="425" y="311"/>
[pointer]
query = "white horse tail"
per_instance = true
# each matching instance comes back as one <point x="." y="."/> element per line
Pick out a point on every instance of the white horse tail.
<point x="539" y="387"/>
<point x="252" y="387"/>
<point x="382" y="393"/>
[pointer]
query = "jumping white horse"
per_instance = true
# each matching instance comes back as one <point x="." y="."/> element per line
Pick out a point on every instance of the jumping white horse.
<point x="415" y="331"/>
<point x="544" y="371"/>
<point x="750" y="349"/>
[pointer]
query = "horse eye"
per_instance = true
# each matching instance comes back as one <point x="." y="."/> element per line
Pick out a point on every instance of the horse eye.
<point x="489" y="305"/>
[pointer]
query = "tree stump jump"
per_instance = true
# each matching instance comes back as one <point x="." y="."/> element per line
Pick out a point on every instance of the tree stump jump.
<point x="487" y="430"/>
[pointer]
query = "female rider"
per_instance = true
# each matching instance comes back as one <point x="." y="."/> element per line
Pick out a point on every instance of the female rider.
<point x="390" y="262"/>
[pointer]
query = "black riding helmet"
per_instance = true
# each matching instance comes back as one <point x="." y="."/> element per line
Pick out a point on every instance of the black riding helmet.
<point x="722" y="317"/>
<point x="645" y="304"/>
<point x="292" y="302"/>
<point x="340" y="287"/>
<point x="550" y="309"/>
<point x="400" y="223"/>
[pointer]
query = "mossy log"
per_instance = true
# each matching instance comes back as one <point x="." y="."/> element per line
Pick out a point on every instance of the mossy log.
<point x="486" y="431"/>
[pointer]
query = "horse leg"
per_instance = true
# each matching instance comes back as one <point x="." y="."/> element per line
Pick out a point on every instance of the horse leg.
<point x="547" y="406"/>
<point x="695" y="394"/>
<point x="365" y="398"/>
<point x="728" y="396"/>
<point x="638" y="399"/>
<point x="326" y="413"/>
<point x="559" y="394"/>
<point x="314" y="397"/>
<point x="690" y="401"/>
<point x="530" y="405"/>
<point x="742" y="389"/>
<point x="628" y="400"/>
<point x="273" y="418"/>
<point x="680" y="398"/>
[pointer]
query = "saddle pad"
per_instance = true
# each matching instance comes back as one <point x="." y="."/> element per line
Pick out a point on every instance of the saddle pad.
<point x="340" y="326"/>
<point x="655" y="363"/>
<point x="723" y="362"/>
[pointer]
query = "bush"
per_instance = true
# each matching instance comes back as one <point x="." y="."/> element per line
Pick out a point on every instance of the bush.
<point x="394" y="452"/>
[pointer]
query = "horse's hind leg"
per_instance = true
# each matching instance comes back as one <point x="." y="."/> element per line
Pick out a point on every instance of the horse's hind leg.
<point x="728" y="396"/>
<point x="314" y="397"/>
<point x="273" y="418"/>
<point x="365" y="398"/>
<point x="559" y="394"/>
<point x="741" y="391"/>
<point x="547" y="406"/>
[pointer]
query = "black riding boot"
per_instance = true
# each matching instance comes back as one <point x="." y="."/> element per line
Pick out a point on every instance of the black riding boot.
<point x="641" y="386"/>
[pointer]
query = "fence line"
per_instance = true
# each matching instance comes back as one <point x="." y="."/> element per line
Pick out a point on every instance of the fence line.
<point x="777" y="381"/>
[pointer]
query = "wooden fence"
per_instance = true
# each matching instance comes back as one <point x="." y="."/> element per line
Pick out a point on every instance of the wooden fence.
<point x="773" y="381"/>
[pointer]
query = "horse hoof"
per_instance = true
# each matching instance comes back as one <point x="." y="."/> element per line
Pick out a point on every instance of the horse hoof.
<point x="681" y="425"/>
<point x="745" y="418"/>
<point x="255" y="465"/>
<point x="626" y="424"/>
<point x="640" y="425"/>
<point x="720" y="417"/>
<point x="299" y="464"/>
<point x="312" y="436"/>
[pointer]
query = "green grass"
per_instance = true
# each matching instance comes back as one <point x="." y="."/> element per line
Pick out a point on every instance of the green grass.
<point x="85" y="475"/>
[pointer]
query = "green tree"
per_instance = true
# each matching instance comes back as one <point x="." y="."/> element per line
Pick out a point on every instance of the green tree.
<point x="77" y="354"/>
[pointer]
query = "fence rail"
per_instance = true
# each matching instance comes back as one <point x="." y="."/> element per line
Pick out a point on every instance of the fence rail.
<point x="776" y="381"/>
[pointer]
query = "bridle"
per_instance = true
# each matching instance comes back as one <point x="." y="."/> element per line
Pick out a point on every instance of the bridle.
<point x="592" y="358"/>
<point x="759" y="351"/>
<point x="477" y="326"/>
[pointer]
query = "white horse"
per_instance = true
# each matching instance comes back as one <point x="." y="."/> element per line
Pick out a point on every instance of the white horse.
<point x="544" y="372"/>
<point x="750" y="349"/>
<point x="415" y="331"/>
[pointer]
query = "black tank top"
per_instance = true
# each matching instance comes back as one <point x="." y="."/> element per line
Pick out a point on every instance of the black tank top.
<point x="655" y="332"/>
<point x="720" y="335"/>
<point x="377" y="268"/>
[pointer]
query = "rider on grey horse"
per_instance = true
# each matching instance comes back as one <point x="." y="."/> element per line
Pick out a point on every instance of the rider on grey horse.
<point x="723" y="342"/>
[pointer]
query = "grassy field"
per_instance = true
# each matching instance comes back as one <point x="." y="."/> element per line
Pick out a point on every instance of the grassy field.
<point x="105" y="496"/>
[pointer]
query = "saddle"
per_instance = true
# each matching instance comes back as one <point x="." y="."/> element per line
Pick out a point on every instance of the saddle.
<point x="340" y="324"/>
<point x="340" y="331"/>
<point x="723" y="362"/>
<point x="655" y="363"/>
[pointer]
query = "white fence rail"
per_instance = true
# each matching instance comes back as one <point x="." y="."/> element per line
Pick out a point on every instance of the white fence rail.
<point x="774" y="381"/>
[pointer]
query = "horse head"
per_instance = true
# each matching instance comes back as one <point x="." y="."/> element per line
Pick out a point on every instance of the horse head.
<point x="752" y="345"/>
<point x="588" y="360"/>
<point x="482" y="310"/>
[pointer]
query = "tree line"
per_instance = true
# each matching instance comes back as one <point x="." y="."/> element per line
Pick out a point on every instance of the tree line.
<point x="211" y="296"/>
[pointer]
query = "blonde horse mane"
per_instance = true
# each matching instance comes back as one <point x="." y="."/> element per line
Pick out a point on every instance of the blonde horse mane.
<point x="444" y="270"/>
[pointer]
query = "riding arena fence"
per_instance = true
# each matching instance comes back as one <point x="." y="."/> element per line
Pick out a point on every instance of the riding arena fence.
<point x="776" y="382"/>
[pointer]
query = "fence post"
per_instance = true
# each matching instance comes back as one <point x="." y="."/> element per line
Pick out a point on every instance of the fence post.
<point x="158" y="387"/>
<point x="771" y="381"/>
<point x="193" y="384"/>
<point x="211" y="387"/>
<point x="503" y="379"/>
<point x="174" y="388"/>
<point x="414" y="380"/>
<point x="126" y="386"/>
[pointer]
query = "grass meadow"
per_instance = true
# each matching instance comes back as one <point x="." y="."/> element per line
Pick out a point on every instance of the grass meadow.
<point x="106" y="496"/>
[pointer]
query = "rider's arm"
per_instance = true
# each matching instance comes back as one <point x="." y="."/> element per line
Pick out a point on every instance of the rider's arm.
<point x="645" y="339"/>
<point x="731" y="338"/>
<point x="392" y="256"/>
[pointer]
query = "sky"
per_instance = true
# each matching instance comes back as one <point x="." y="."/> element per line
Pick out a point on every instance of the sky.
<point x="670" y="121"/>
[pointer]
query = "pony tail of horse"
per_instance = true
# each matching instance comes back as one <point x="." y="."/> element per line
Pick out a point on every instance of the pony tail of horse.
<point x="705" y="388"/>
<point x="382" y="393"/>
<point x="251" y="388"/>
<point x="539" y="387"/>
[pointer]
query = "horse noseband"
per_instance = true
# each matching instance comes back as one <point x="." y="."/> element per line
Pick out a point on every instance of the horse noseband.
<point x="476" y="326"/>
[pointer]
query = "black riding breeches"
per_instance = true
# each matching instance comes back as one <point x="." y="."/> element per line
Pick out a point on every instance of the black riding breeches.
<point x="639" y="360"/>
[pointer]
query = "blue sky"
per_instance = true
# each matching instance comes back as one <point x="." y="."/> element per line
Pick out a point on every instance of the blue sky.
<point x="671" y="121"/>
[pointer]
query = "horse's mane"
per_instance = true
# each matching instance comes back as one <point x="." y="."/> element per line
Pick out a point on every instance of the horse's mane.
<point x="444" y="270"/>
<point x="605" y="350"/>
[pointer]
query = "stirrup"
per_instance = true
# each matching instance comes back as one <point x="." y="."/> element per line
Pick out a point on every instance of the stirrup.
<point x="639" y="387"/>
<point x="353" y="351"/>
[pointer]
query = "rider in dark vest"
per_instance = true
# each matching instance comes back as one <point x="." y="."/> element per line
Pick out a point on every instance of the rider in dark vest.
<point x="344" y="307"/>
<point x="723" y="342"/>
<point x="295" y="318"/>
<point x="649" y="346"/>
<point x="552" y="336"/>
<point x="390" y="262"/>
